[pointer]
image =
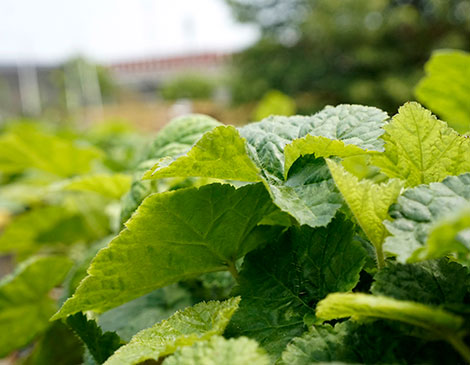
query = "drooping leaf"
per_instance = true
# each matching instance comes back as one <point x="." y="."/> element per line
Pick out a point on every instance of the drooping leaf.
<point x="218" y="350"/>
<point x="369" y="202"/>
<point x="101" y="345"/>
<point x="138" y="314"/>
<point x="25" y="307"/>
<point x="436" y="282"/>
<point x="184" y="328"/>
<point x="30" y="148"/>
<point x="445" y="89"/>
<point x="358" y="306"/>
<point x="418" y="210"/>
<point x="281" y="283"/>
<point x="421" y="149"/>
<point x="220" y="153"/>
<point x="174" y="236"/>
<point x="110" y="186"/>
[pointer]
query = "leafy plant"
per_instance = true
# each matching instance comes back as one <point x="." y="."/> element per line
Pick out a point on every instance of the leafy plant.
<point x="337" y="237"/>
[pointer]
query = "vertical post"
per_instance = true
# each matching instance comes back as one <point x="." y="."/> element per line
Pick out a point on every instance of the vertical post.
<point x="29" y="90"/>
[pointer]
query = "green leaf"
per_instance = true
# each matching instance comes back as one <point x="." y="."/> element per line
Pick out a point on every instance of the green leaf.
<point x="369" y="202"/>
<point x="111" y="186"/>
<point x="220" y="153"/>
<point x="359" y="306"/>
<point x="320" y="344"/>
<point x="165" y="241"/>
<point x="30" y="148"/>
<point x="184" y="328"/>
<point x="138" y="314"/>
<point x="445" y="89"/>
<point x="218" y="350"/>
<point x="101" y="345"/>
<point x="180" y="134"/>
<point x="281" y="283"/>
<point x="419" y="210"/>
<point x="25" y="307"/>
<point x="436" y="282"/>
<point x="421" y="149"/>
<point x="321" y="147"/>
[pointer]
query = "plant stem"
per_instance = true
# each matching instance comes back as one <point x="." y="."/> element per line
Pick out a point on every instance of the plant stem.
<point x="460" y="346"/>
<point x="380" y="257"/>
<point x="233" y="270"/>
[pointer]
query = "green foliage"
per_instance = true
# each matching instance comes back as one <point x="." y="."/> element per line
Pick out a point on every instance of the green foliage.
<point x="274" y="103"/>
<point x="25" y="307"/>
<point x="344" y="51"/>
<point x="275" y="296"/>
<point x="101" y="345"/>
<point x="188" y="87"/>
<point x="30" y="148"/>
<point x="111" y="186"/>
<point x="165" y="242"/>
<point x="444" y="89"/>
<point x="184" y="328"/>
<point x="295" y="220"/>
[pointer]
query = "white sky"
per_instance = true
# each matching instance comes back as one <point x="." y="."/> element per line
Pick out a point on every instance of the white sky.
<point x="112" y="30"/>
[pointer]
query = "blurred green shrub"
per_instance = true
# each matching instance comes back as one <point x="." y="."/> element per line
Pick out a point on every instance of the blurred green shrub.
<point x="188" y="87"/>
<point x="274" y="103"/>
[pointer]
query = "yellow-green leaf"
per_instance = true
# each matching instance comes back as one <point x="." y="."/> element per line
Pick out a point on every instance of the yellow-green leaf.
<point x="184" y="328"/>
<point x="421" y="149"/>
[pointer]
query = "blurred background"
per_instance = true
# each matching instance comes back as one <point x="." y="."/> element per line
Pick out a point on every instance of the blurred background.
<point x="146" y="61"/>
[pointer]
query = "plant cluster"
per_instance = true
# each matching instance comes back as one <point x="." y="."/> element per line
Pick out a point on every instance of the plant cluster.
<point x="340" y="237"/>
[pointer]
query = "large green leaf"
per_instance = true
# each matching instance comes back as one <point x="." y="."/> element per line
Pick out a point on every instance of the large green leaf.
<point x="110" y="186"/>
<point x="369" y="202"/>
<point x="175" y="236"/>
<point x="445" y="88"/>
<point x="184" y="328"/>
<point x="308" y="194"/>
<point x="281" y="283"/>
<point x="30" y="148"/>
<point x="25" y="307"/>
<point x="421" y="149"/>
<point x="359" y="306"/>
<point x="218" y="350"/>
<point x="421" y="209"/>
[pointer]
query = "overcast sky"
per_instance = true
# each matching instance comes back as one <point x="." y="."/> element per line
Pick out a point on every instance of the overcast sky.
<point x="112" y="30"/>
